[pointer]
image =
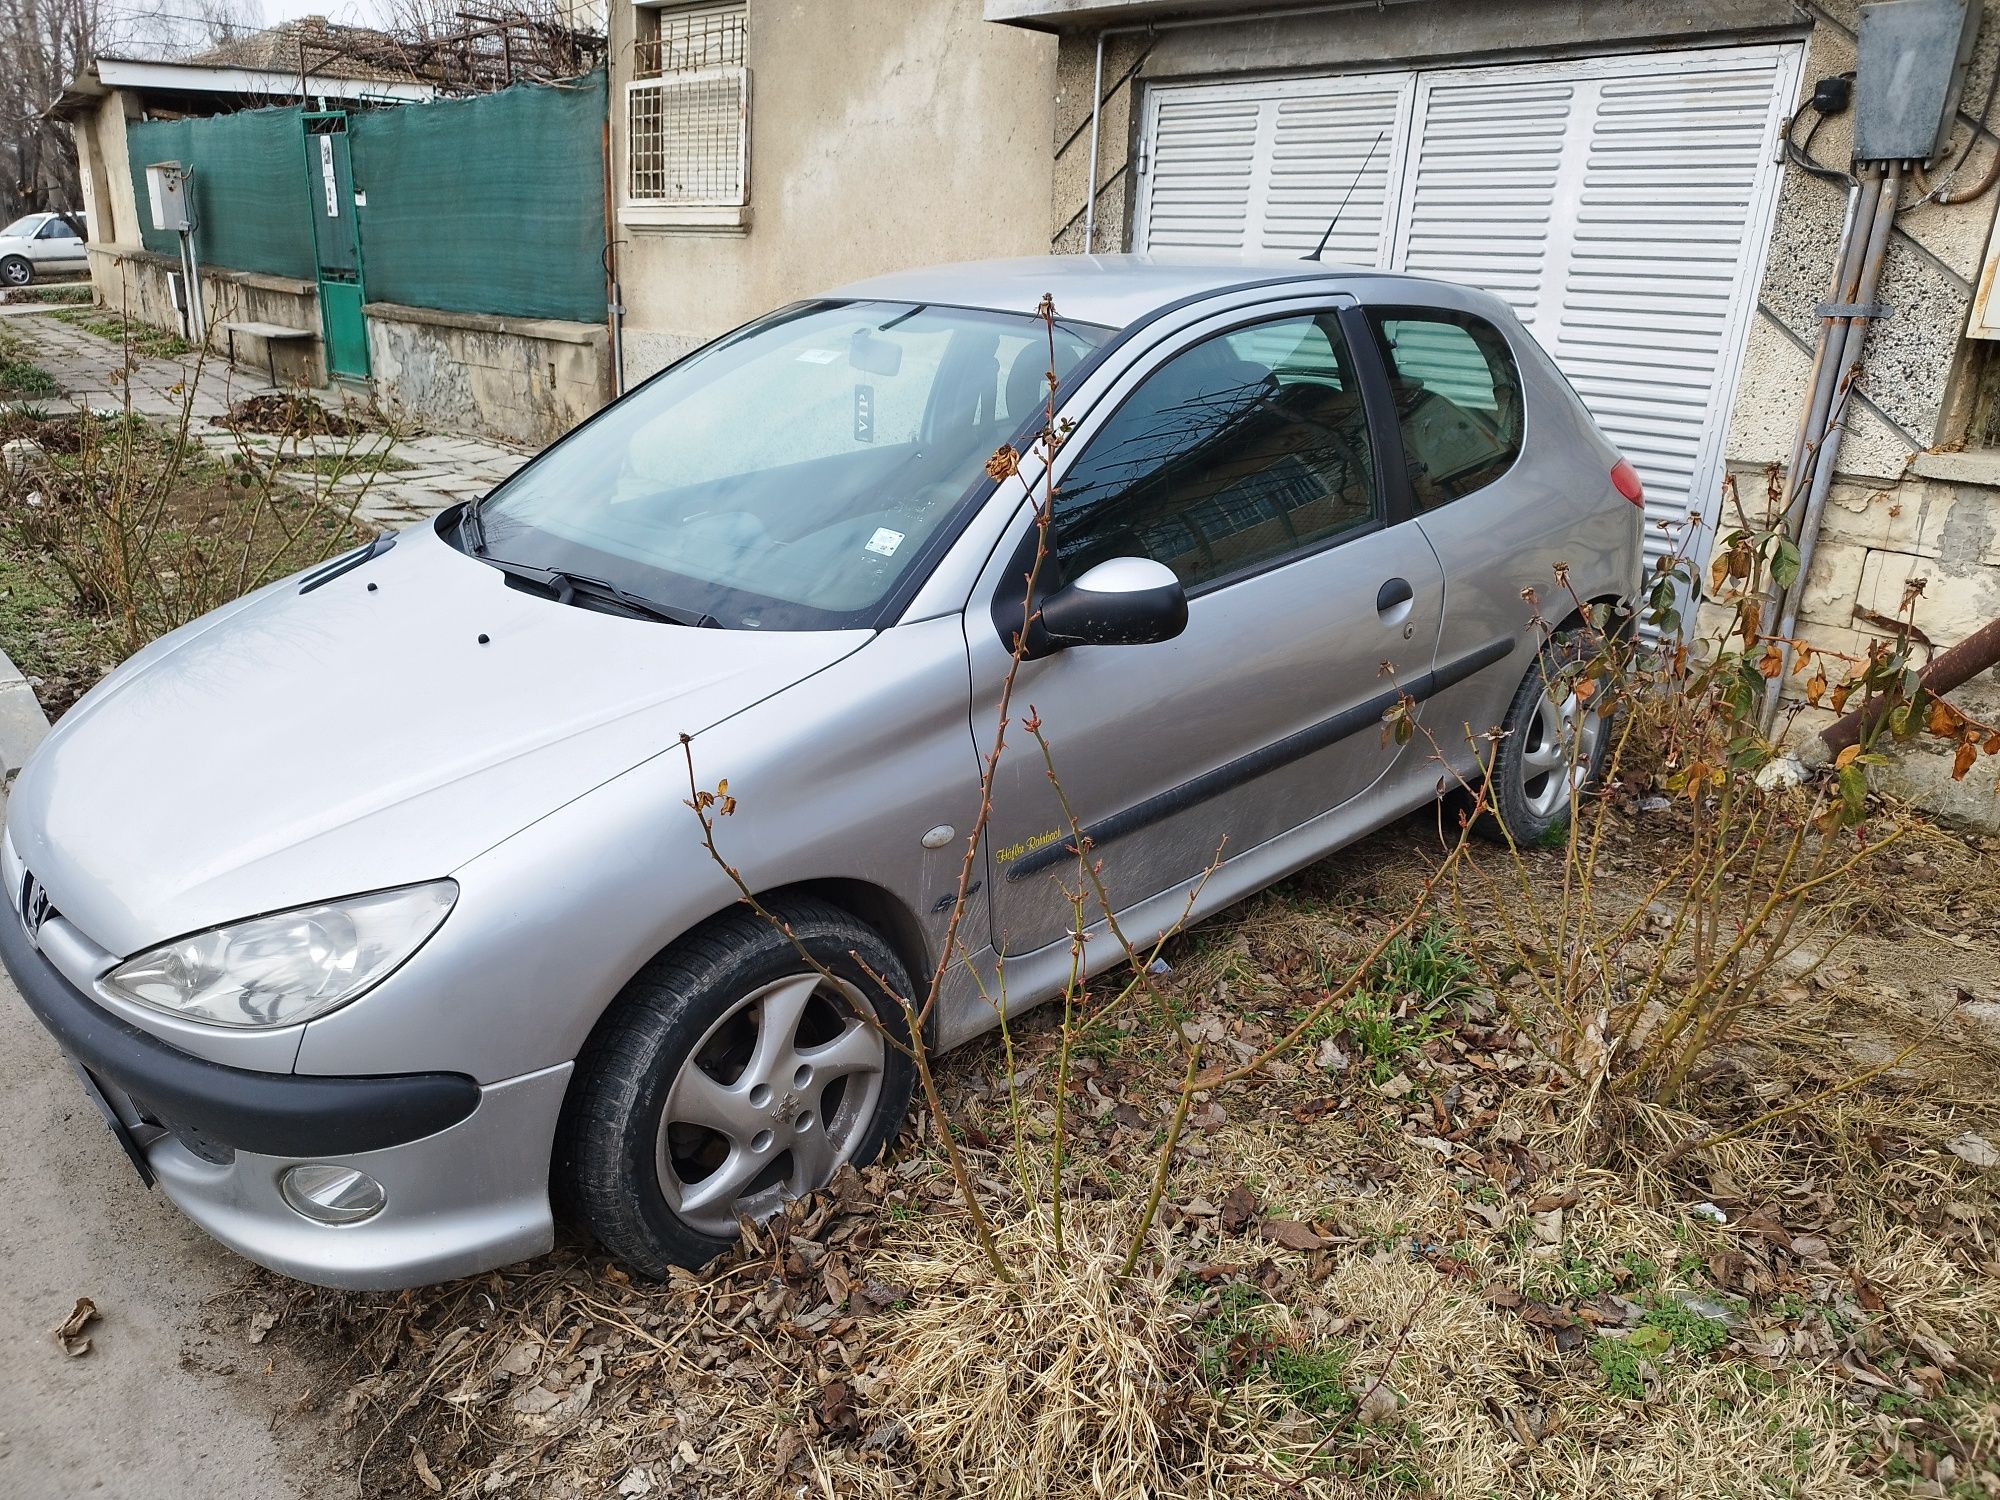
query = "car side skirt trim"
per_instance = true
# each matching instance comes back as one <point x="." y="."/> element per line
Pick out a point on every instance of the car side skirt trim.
<point x="1262" y="761"/>
<point x="274" y="1114"/>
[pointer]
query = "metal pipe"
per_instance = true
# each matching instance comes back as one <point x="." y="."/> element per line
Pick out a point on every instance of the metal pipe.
<point x="1853" y="337"/>
<point x="1096" y="114"/>
<point x="1862" y="200"/>
<point x="1185" y="23"/>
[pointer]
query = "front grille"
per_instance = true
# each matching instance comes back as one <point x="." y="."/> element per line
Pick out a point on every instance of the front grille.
<point x="33" y="904"/>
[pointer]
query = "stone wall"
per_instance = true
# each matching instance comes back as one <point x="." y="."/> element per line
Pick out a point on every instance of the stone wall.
<point x="1909" y="503"/>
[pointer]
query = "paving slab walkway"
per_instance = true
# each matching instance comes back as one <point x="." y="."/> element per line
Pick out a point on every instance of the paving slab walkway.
<point x="391" y="476"/>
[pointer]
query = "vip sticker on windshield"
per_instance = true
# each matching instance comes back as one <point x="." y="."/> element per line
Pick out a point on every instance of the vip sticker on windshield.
<point x="864" y="414"/>
<point x="819" y="356"/>
<point x="884" y="541"/>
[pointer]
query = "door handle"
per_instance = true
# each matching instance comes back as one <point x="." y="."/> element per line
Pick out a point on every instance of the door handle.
<point x="1391" y="595"/>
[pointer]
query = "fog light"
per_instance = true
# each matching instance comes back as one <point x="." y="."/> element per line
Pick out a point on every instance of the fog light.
<point x="332" y="1195"/>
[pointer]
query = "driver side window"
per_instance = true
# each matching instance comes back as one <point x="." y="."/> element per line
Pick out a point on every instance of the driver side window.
<point x="1242" y="452"/>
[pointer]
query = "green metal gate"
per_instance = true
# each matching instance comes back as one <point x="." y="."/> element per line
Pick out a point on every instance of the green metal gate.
<point x="336" y="244"/>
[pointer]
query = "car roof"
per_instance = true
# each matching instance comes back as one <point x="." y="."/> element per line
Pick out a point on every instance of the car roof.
<point x="1113" y="290"/>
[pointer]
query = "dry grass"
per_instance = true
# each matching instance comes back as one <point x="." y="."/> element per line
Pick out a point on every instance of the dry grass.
<point x="1379" y="1282"/>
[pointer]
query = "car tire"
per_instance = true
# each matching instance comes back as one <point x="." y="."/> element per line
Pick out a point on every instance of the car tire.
<point x="16" y="270"/>
<point x="1535" y="773"/>
<point x="729" y="1077"/>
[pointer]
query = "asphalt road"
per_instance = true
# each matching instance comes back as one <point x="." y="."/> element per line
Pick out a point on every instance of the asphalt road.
<point x="172" y="1400"/>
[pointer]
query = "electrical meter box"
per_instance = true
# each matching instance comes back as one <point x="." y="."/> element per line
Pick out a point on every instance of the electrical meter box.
<point x="167" y="196"/>
<point x="1910" y="63"/>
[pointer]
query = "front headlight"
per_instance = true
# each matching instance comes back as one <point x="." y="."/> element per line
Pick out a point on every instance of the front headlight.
<point x="287" y="967"/>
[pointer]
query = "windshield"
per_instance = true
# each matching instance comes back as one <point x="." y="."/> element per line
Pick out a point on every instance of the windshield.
<point x="22" y="229"/>
<point x="789" y="477"/>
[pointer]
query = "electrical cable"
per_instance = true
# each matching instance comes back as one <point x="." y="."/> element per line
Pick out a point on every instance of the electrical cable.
<point x="1984" y="182"/>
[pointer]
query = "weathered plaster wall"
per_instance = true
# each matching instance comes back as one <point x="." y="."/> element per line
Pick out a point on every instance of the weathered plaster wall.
<point x="525" y="379"/>
<point x="883" y="134"/>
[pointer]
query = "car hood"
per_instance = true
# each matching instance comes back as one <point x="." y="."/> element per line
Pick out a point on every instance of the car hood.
<point x="381" y="728"/>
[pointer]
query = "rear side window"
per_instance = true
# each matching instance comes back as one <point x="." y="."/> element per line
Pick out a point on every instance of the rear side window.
<point x="1458" y="400"/>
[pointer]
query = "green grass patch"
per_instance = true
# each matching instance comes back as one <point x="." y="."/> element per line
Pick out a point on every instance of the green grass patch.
<point x="20" y="376"/>
<point x="348" y="465"/>
<point x="1239" y="1341"/>
<point x="1399" y="1007"/>
<point x="1618" y="1363"/>
<point x="142" y="338"/>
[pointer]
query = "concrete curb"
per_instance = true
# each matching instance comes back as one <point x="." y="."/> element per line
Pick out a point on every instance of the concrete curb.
<point x="22" y="722"/>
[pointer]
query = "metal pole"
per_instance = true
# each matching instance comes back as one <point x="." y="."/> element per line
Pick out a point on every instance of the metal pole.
<point x="1090" y="180"/>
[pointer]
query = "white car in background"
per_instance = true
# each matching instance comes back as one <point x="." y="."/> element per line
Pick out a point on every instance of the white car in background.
<point x="38" y="244"/>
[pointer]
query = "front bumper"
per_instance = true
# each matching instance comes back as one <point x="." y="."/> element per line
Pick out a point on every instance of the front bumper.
<point x="464" y="1167"/>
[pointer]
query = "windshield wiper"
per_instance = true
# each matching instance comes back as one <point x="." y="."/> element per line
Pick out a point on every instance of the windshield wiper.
<point x="567" y="588"/>
<point x="572" y="585"/>
<point x="472" y="526"/>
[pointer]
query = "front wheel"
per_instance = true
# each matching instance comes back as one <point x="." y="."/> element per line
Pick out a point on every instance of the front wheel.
<point x="1553" y="745"/>
<point x="731" y="1077"/>
<point x="16" y="270"/>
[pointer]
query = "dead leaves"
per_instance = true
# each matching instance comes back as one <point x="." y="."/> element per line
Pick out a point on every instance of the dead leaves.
<point x="1293" y="1235"/>
<point x="1239" y="1209"/>
<point x="70" y="1335"/>
<point x="1974" y="1148"/>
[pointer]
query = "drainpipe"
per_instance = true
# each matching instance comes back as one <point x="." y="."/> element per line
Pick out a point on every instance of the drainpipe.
<point x="1096" y="114"/>
<point x="1843" y="337"/>
<point x="1233" y="18"/>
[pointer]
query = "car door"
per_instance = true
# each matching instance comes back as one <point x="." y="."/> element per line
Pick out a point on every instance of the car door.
<point x="57" y="246"/>
<point x="1243" y="454"/>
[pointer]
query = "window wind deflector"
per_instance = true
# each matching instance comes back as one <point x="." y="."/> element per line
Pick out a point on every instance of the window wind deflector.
<point x="348" y="563"/>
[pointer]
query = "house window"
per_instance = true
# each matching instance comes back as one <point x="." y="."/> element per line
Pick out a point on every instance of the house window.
<point x="687" y="116"/>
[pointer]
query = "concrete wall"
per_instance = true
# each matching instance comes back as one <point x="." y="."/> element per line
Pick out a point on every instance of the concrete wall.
<point x="525" y="379"/>
<point x="133" y="281"/>
<point x="884" y="134"/>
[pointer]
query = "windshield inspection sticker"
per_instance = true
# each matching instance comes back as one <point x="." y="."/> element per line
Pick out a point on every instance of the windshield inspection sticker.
<point x="884" y="541"/>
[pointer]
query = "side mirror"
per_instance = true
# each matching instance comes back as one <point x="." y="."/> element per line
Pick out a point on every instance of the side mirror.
<point x="1127" y="601"/>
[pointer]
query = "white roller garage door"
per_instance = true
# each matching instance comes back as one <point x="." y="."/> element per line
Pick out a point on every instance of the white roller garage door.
<point x="1621" y="205"/>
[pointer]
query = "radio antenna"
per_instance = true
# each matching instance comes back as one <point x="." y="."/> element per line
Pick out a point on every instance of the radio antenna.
<point x="1320" y="248"/>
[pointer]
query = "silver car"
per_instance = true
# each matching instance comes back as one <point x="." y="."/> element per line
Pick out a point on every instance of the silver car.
<point x="372" y="909"/>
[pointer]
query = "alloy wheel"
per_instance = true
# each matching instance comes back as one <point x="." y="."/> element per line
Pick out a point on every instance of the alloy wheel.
<point x="16" y="272"/>
<point x="1558" y="752"/>
<point x="776" y="1095"/>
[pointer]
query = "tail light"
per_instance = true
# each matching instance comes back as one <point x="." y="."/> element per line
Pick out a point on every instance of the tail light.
<point x="1625" y="480"/>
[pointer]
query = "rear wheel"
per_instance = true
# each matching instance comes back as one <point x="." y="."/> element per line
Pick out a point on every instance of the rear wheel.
<point x="1552" y="747"/>
<point x="16" y="270"/>
<point x="729" y="1078"/>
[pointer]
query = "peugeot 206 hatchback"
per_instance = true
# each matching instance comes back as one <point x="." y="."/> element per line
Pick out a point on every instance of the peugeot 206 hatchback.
<point x="371" y="907"/>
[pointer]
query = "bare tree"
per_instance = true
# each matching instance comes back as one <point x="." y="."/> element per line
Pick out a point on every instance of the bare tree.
<point x="46" y="42"/>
